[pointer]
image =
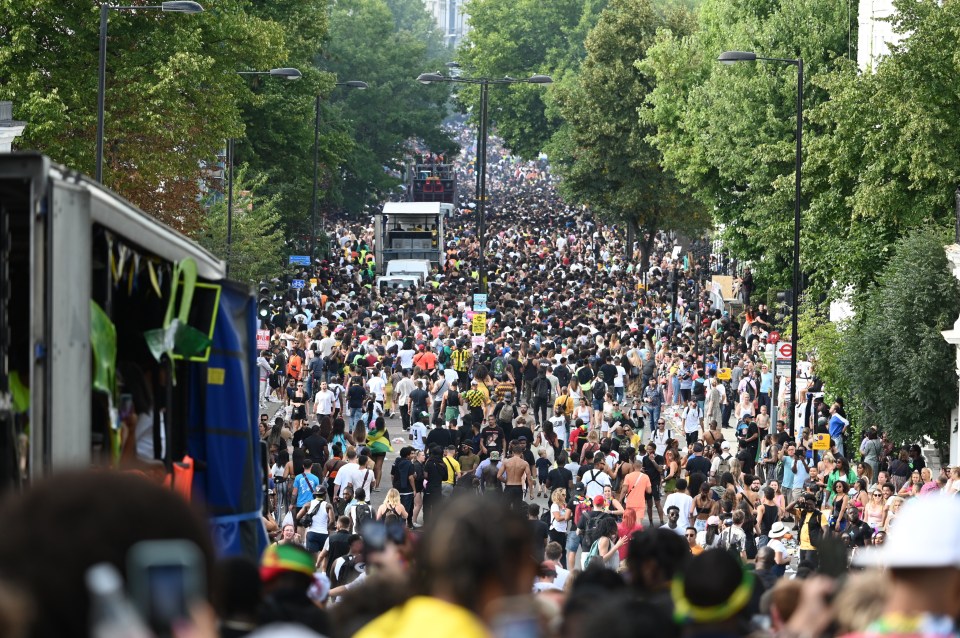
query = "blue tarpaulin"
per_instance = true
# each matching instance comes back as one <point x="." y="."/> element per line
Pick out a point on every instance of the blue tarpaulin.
<point x="223" y="437"/>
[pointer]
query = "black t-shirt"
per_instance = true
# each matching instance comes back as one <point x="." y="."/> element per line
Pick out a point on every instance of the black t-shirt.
<point x="435" y="471"/>
<point x="523" y="431"/>
<point x="355" y="396"/>
<point x="402" y="470"/>
<point x="443" y="437"/>
<point x="539" y="530"/>
<point x="492" y="438"/>
<point x="651" y="467"/>
<point x="559" y="478"/>
<point x="751" y="431"/>
<point x="858" y="535"/>
<point x="562" y="373"/>
<point x="783" y="438"/>
<point x="316" y="448"/>
<point x="698" y="464"/>
<point x="609" y="372"/>
<point x="419" y="398"/>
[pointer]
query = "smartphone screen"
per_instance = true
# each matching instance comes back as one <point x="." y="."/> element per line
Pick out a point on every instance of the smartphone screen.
<point x="168" y="595"/>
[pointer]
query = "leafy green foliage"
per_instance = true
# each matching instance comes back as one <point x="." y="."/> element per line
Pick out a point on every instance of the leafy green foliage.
<point x="519" y="38"/>
<point x="386" y="44"/>
<point x="171" y="94"/>
<point x="257" y="241"/>
<point x="729" y="132"/>
<point x="602" y="153"/>
<point x="894" y="358"/>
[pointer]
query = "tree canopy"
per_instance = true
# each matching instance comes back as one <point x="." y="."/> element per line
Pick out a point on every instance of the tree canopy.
<point x="171" y="93"/>
<point x="899" y="366"/>
<point x="603" y="153"/>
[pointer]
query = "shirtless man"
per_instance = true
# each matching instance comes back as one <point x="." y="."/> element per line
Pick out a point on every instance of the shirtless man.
<point x="515" y="473"/>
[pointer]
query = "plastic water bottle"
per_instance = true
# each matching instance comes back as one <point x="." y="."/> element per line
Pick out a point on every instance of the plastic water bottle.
<point x="111" y="613"/>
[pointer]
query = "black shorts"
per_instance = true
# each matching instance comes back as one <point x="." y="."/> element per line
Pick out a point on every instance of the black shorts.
<point x="299" y="413"/>
<point x="514" y="493"/>
<point x="377" y="455"/>
<point x="654" y="494"/>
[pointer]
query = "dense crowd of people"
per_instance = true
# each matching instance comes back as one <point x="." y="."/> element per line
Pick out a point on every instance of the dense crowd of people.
<point x="603" y="461"/>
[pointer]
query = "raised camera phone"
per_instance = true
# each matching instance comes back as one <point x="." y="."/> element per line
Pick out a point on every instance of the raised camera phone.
<point x="166" y="577"/>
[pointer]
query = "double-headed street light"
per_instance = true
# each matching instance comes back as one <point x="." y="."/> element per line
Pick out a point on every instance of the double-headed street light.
<point x="350" y="84"/>
<point x="166" y="7"/>
<point x="287" y="73"/>
<point x="484" y="83"/>
<point x="730" y="57"/>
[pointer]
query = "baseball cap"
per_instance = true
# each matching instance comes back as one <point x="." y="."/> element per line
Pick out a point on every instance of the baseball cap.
<point x="724" y="446"/>
<point x="285" y="558"/>
<point x="926" y="535"/>
<point x="494" y="456"/>
<point x="713" y="520"/>
<point x="598" y="500"/>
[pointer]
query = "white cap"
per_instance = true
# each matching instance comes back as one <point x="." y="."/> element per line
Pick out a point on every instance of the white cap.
<point x="724" y="446"/>
<point x="924" y="534"/>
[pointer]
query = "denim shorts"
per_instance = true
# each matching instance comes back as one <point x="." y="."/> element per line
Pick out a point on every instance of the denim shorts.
<point x="315" y="542"/>
<point x="573" y="541"/>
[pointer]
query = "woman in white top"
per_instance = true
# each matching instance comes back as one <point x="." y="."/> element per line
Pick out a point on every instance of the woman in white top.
<point x="560" y="516"/>
<point x="744" y="406"/>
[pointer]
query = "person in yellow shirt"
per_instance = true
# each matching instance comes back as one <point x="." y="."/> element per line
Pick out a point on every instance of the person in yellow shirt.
<point x="453" y="470"/>
<point x="470" y="561"/>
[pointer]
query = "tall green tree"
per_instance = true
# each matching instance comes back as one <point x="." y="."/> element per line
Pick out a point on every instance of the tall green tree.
<point x="603" y="154"/>
<point x="887" y="159"/>
<point x="258" y="244"/>
<point x="900" y="368"/>
<point x="387" y="45"/>
<point x="279" y="120"/>
<point x="171" y="96"/>
<point x="728" y="133"/>
<point x="519" y="38"/>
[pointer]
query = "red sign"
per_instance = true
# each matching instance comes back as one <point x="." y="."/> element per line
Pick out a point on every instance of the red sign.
<point x="263" y="339"/>
<point x="773" y="337"/>
<point x="784" y="350"/>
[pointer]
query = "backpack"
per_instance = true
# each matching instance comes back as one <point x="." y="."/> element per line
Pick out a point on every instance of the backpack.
<point x="444" y="355"/>
<point x="593" y="524"/>
<point x="362" y="515"/>
<point x="543" y="388"/>
<point x="599" y="391"/>
<point x="582" y="508"/>
<point x="349" y="571"/>
<point x="506" y="413"/>
<point x="724" y="465"/>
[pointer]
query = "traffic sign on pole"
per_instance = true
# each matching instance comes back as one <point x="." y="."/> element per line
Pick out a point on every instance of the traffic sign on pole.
<point x="298" y="283"/>
<point x="299" y="260"/>
<point x="784" y="350"/>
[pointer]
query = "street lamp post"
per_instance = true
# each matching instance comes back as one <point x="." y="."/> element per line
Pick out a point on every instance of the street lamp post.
<point x="352" y="84"/>
<point x="287" y="73"/>
<point x="166" y="7"/>
<point x="484" y="83"/>
<point x="730" y="57"/>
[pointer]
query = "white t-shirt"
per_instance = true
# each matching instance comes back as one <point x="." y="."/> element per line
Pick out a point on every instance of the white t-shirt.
<point x="345" y="475"/>
<point x="691" y="419"/>
<point x="621" y="375"/>
<point x="679" y="531"/>
<point x="406" y="358"/>
<point x="777" y="546"/>
<point x="376" y="386"/>
<point x="418" y="435"/>
<point x="594" y="481"/>
<point x="558" y="526"/>
<point x="684" y="501"/>
<point x="323" y="404"/>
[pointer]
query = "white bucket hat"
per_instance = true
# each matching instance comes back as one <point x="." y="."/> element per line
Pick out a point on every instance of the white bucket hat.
<point x="925" y="534"/>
